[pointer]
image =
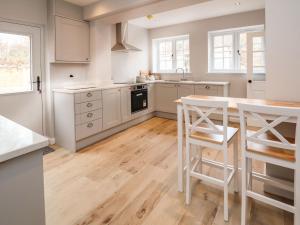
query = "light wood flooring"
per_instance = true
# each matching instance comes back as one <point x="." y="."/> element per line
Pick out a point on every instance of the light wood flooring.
<point x="131" y="179"/>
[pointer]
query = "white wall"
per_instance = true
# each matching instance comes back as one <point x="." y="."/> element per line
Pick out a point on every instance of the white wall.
<point x="283" y="50"/>
<point x="199" y="45"/>
<point x="30" y="11"/>
<point x="125" y="67"/>
<point x="117" y="66"/>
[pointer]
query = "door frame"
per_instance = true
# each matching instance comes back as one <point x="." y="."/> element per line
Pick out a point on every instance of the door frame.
<point x="42" y="65"/>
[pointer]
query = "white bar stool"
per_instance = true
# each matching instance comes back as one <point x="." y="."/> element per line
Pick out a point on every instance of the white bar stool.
<point x="205" y="133"/>
<point x="268" y="145"/>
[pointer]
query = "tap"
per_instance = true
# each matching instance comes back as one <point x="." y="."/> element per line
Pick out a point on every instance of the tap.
<point x="183" y="78"/>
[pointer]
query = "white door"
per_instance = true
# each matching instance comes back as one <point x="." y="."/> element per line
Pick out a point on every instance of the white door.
<point x="256" y="75"/>
<point x="20" y="69"/>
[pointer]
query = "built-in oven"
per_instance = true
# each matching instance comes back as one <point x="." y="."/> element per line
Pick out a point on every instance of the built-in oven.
<point x="139" y="98"/>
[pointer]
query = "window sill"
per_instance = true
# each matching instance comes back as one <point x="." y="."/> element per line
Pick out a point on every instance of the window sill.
<point x="16" y="92"/>
<point x="225" y="73"/>
<point x="173" y="73"/>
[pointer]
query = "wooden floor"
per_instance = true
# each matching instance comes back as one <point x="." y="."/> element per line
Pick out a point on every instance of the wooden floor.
<point x="131" y="178"/>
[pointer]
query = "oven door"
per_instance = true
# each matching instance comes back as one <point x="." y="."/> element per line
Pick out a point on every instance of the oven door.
<point x="139" y="100"/>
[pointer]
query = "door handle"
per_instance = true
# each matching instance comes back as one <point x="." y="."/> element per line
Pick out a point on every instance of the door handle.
<point x="249" y="81"/>
<point x="38" y="84"/>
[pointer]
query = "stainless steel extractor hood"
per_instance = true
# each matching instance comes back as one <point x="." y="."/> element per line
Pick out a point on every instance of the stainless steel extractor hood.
<point x="121" y="38"/>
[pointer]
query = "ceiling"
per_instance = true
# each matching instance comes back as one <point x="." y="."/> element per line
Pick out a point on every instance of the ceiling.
<point x="200" y="11"/>
<point x="82" y="2"/>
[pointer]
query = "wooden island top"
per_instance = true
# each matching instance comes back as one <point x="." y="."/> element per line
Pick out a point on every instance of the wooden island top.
<point x="233" y="102"/>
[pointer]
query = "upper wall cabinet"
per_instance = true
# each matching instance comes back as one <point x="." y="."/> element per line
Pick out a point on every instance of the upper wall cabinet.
<point x="72" y="41"/>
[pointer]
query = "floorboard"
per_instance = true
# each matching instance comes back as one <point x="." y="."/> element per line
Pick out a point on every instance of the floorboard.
<point x="131" y="179"/>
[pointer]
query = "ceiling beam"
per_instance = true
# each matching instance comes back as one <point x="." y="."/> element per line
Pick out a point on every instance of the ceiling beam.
<point x="122" y="10"/>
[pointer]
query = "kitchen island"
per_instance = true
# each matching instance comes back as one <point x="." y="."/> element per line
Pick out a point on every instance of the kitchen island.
<point x="21" y="175"/>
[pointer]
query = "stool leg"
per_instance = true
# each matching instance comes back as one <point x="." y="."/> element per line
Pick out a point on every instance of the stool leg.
<point x="249" y="169"/>
<point x="236" y="166"/>
<point x="225" y="186"/>
<point x="244" y="190"/>
<point x="297" y="195"/>
<point x="188" y="178"/>
<point x="200" y="159"/>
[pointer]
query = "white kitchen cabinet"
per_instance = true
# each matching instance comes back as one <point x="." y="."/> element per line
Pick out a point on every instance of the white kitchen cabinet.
<point x="185" y="90"/>
<point x="72" y="40"/>
<point x="165" y="96"/>
<point x="151" y="98"/>
<point x="125" y="104"/>
<point x="111" y="108"/>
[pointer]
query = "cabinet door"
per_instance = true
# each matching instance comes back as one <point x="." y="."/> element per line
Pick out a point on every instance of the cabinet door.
<point x="72" y="40"/>
<point x="165" y="96"/>
<point x="209" y="90"/>
<point x="125" y="104"/>
<point x="151" y="98"/>
<point x="185" y="90"/>
<point x="111" y="108"/>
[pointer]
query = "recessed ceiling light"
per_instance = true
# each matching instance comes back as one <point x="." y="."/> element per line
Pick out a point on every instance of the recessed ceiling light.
<point x="237" y="3"/>
<point x="150" y="17"/>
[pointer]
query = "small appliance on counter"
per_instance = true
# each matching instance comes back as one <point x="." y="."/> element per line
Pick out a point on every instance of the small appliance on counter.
<point x="145" y="76"/>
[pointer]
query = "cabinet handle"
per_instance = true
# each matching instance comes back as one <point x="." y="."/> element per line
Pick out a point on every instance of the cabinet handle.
<point x="90" y="115"/>
<point x="89" y="94"/>
<point x="87" y="59"/>
<point x="89" y="125"/>
<point x="207" y="87"/>
<point x="89" y="104"/>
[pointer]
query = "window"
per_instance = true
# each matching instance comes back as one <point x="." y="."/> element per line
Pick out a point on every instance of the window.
<point x="15" y="63"/>
<point x="228" y="51"/>
<point x="170" y="54"/>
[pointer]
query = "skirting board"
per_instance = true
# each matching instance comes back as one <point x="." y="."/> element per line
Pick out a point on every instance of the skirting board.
<point x="98" y="137"/>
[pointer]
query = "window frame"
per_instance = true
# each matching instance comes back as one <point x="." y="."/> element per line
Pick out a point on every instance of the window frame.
<point x="156" y="55"/>
<point x="28" y="34"/>
<point x="236" y="32"/>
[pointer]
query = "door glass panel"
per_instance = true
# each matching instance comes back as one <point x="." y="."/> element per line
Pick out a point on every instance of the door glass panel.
<point x="15" y="63"/>
<point x="258" y="55"/>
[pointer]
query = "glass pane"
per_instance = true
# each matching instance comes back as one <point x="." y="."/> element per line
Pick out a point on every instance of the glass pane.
<point x="179" y="45"/>
<point x="258" y="59"/>
<point x="218" y="64"/>
<point x="228" y="40"/>
<point x="228" y="64"/>
<point x="243" y="41"/>
<point x="258" y="44"/>
<point x="15" y="63"/>
<point x="218" y="41"/>
<point x="243" y="60"/>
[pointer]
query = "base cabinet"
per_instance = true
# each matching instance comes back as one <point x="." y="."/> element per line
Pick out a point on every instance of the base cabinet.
<point x="165" y="96"/>
<point x="126" y="104"/>
<point x="111" y="108"/>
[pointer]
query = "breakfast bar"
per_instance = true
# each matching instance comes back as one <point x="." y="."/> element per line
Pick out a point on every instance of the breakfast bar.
<point x="232" y="112"/>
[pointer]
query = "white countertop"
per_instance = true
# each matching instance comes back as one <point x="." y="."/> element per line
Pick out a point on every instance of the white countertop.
<point x="16" y="140"/>
<point x="110" y="86"/>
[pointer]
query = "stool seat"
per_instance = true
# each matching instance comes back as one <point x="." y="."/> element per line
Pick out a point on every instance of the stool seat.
<point x="278" y="153"/>
<point x="215" y="138"/>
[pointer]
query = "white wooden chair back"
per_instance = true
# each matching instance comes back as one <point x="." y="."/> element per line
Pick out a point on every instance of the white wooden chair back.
<point x="269" y="117"/>
<point x="203" y="109"/>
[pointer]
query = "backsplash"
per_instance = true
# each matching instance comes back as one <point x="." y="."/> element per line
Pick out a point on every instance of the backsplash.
<point x="60" y="74"/>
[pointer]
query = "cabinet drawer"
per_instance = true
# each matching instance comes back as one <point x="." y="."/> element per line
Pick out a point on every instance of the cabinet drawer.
<point x="88" y="129"/>
<point x="210" y="90"/>
<point x="87" y="96"/>
<point x="88" y="116"/>
<point x="87" y="106"/>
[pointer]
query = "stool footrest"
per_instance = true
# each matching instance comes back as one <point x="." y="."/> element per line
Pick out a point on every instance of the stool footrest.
<point x="271" y="201"/>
